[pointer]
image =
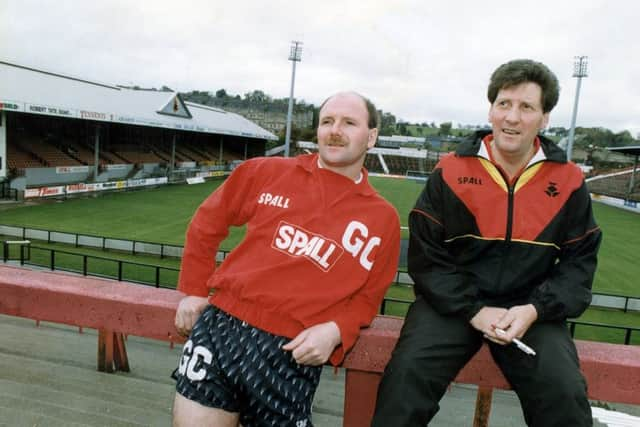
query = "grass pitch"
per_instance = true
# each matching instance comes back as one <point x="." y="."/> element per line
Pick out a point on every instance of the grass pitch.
<point x="162" y="215"/>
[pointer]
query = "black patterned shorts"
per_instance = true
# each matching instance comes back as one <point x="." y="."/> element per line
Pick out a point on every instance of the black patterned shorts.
<point x="230" y="365"/>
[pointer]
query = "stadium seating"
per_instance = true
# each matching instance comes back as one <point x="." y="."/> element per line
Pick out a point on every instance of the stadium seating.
<point x="50" y="155"/>
<point x="19" y="159"/>
<point x="616" y="186"/>
<point x="140" y="157"/>
<point x="372" y="163"/>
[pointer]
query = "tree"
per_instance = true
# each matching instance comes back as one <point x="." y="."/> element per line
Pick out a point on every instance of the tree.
<point x="559" y="131"/>
<point x="387" y="130"/>
<point x="221" y="93"/>
<point x="445" y="128"/>
<point x="387" y="120"/>
<point x="257" y="97"/>
<point x="622" y="139"/>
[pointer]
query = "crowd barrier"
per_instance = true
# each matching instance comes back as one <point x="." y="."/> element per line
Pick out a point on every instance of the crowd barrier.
<point x="116" y="309"/>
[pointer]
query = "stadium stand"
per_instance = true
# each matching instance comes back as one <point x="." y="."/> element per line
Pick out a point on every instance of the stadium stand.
<point x="398" y="160"/>
<point x="615" y="185"/>
<point x="372" y="163"/>
<point x="399" y="165"/>
<point x="51" y="120"/>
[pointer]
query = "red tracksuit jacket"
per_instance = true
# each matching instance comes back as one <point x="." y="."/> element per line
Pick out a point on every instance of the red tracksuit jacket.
<point x="318" y="248"/>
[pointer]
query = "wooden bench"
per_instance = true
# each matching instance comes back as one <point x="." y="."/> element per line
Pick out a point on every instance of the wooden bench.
<point x="117" y="308"/>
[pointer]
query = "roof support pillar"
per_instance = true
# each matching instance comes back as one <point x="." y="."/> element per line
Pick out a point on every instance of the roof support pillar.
<point x="632" y="181"/>
<point x="3" y="144"/>
<point x="221" y="148"/>
<point x="173" y="153"/>
<point x="96" y="154"/>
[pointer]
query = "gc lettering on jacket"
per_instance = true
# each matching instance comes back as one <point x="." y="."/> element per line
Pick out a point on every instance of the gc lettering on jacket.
<point x="323" y="251"/>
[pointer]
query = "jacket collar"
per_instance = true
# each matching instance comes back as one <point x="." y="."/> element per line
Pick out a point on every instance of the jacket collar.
<point x="473" y="146"/>
<point x="309" y="162"/>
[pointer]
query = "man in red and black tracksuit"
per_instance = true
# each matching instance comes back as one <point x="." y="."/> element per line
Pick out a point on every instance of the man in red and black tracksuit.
<point x="503" y="246"/>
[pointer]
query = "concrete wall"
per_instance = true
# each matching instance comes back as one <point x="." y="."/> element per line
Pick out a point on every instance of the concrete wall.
<point x="48" y="176"/>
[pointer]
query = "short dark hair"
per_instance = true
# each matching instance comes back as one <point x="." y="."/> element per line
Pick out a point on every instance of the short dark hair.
<point x="520" y="71"/>
<point x="374" y="118"/>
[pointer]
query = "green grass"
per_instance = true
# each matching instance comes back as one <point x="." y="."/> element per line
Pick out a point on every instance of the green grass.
<point x="400" y="193"/>
<point x="618" y="260"/>
<point x="162" y="215"/>
<point x="158" y="215"/>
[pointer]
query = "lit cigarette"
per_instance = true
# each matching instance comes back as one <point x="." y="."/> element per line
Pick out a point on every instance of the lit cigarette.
<point x="522" y="346"/>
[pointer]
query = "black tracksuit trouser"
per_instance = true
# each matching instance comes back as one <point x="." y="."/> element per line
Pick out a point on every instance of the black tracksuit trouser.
<point x="433" y="348"/>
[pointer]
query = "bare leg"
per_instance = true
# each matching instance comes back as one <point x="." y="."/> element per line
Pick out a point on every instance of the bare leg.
<point x="187" y="413"/>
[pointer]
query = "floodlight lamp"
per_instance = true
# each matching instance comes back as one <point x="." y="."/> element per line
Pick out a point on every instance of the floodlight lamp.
<point x="295" y="53"/>
<point x="580" y="66"/>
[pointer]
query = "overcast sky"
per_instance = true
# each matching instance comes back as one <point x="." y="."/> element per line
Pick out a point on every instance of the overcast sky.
<point x="421" y="60"/>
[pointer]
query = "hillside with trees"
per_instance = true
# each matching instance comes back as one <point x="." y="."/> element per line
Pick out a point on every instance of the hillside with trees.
<point x="585" y="138"/>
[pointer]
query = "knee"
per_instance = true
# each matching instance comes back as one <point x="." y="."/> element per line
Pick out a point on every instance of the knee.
<point x="565" y="403"/>
<point x="568" y="389"/>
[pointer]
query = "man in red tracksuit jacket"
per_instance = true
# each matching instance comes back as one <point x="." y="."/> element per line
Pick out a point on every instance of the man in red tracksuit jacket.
<point x="502" y="246"/>
<point x="321" y="249"/>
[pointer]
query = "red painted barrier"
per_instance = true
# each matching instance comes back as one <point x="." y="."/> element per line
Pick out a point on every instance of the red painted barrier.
<point x="612" y="372"/>
<point x="117" y="308"/>
<point x="113" y="308"/>
<point x="89" y="302"/>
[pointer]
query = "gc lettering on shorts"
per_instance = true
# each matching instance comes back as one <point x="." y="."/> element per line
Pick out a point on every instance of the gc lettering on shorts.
<point x="189" y="365"/>
<point x="322" y="251"/>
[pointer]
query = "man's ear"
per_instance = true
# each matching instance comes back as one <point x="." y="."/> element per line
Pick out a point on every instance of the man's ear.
<point x="373" y="137"/>
<point x="545" y="120"/>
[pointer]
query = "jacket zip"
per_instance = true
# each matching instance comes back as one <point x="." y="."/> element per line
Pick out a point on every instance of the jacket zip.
<point x="509" y="231"/>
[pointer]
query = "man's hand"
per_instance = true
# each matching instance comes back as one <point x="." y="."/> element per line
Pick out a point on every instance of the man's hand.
<point x="314" y="345"/>
<point x="486" y="319"/>
<point x="516" y="322"/>
<point x="189" y="309"/>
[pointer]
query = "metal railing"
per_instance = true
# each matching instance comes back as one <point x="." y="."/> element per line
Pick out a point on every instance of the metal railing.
<point x="91" y="265"/>
<point x="133" y="247"/>
<point x="627" y="335"/>
<point x="167" y="277"/>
